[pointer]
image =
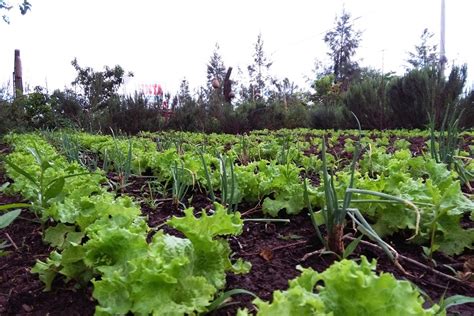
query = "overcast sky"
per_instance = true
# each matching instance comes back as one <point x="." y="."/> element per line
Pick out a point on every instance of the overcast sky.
<point x="165" y="41"/>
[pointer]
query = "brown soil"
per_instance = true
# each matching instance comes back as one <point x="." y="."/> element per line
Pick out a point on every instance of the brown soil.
<point x="21" y="293"/>
<point x="276" y="249"/>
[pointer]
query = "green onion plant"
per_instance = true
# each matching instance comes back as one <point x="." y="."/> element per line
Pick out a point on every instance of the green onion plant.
<point x="180" y="186"/>
<point x="444" y="144"/>
<point x="121" y="163"/>
<point x="45" y="189"/>
<point x="210" y="190"/>
<point x="228" y="183"/>
<point x="335" y="211"/>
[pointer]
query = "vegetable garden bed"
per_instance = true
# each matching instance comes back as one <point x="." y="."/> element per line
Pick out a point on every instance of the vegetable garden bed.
<point x="273" y="248"/>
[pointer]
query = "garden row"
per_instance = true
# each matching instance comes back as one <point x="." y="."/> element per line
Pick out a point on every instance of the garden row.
<point x="103" y="239"/>
<point x="273" y="171"/>
<point x="100" y="236"/>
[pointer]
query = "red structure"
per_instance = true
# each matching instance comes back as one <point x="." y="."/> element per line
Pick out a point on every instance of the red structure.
<point x="154" y="94"/>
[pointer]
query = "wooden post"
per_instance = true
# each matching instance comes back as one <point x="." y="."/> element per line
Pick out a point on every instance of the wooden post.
<point x="17" y="75"/>
<point x="228" y="95"/>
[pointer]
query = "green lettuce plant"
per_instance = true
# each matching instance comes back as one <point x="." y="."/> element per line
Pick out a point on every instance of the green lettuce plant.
<point x="430" y="186"/>
<point x="349" y="288"/>
<point x="171" y="275"/>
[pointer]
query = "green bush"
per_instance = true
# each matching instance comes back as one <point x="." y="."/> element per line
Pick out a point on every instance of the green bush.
<point x="423" y="91"/>
<point x="325" y="117"/>
<point x="367" y="99"/>
<point x="410" y="98"/>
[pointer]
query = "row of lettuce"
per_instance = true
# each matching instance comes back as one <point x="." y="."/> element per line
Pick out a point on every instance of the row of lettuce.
<point x="277" y="183"/>
<point x="268" y="144"/>
<point x="103" y="239"/>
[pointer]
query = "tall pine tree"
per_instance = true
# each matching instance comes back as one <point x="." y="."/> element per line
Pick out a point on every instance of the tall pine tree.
<point x="215" y="79"/>
<point x="343" y="42"/>
<point x="215" y="67"/>
<point x="259" y="71"/>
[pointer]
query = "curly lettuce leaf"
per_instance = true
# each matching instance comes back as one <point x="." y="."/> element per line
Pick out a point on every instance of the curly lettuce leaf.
<point x="162" y="282"/>
<point x="173" y="276"/>
<point x="355" y="289"/>
<point x="294" y="301"/>
<point x="211" y="253"/>
<point x="114" y="241"/>
<point x="346" y="288"/>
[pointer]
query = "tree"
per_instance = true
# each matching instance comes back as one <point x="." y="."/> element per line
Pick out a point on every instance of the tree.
<point x="343" y="41"/>
<point x="259" y="70"/>
<point x="327" y="92"/>
<point x="98" y="86"/>
<point x="467" y="104"/>
<point x="184" y="93"/>
<point x="215" y="67"/>
<point x="215" y="79"/>
<point x="188" y="114"/>
<point x="410" y="97"/>
<point x="426" y="54"/>
<point x="24" y="7"/>
<point x="285" y="91"/>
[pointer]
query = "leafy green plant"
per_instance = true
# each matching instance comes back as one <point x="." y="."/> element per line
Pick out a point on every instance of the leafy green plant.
<point x="121" y="163"/>
<point x="103" y="236"/>
<point x="431" y="187"/>
<point x="243" y="154"/>
<point x="170" y="275"/>
<point x="230" y="194"/>
<point x="180" y="186"/>
<point x="207" y="176"/>
<point x="444" y="144"/>
<point x="45" y="189"/>
<point x="8" y="218"/>
<point x="334" y="214"/>
<point x="401" y="144"/>
<point x="349" y="288"/>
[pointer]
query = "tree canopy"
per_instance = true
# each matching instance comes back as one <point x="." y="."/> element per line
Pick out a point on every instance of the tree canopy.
<point x="343" y="41"/>
<point x="24" y="7"/>
<point x="425" y="54"/>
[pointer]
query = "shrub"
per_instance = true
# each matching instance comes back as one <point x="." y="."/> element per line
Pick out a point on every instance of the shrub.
<point x="367" y="99"/>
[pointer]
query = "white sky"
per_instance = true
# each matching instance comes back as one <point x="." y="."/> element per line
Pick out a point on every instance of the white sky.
<point x="165" y="41"/>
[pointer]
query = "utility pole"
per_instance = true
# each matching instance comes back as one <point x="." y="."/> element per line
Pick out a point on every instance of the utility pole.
<point x="17" y="75"/>
<point x="442" y="51"/>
